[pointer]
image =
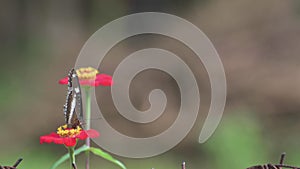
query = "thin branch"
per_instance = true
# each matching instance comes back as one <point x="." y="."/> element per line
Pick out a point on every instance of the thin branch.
<point x="183" y="165"/>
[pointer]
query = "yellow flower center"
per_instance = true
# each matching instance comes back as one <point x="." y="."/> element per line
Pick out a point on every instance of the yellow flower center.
<point x="64" y="131"/>
<point x="87" y="73"/>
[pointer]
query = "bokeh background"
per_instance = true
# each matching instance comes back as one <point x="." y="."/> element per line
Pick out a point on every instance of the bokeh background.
<point x="258" y="42"/>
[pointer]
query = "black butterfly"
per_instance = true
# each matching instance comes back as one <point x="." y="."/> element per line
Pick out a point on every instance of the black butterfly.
<point x="73" y="106"/>
<point x="14" y="166"/>
<point x="272" y="166"/>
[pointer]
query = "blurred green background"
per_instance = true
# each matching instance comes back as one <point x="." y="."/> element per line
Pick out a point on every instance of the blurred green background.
<point x="258" y="42"/>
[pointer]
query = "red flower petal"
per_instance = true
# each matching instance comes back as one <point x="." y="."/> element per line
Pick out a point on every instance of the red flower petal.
<point x="49" y="138"/>
<point x="69" y="142"/>
<point x="55" y="138"/>
<point x="59" y="140"/>
<point x="104" y="80"/>
<point x="92" y="133"/>
<point x="82" y="135"/>
<point x="63" y="81"/>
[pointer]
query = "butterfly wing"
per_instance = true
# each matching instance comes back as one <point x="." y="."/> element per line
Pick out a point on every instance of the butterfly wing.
<point x="73" y="101"/>
<point x="77" y="97"/>
<point x="69" y="98"/>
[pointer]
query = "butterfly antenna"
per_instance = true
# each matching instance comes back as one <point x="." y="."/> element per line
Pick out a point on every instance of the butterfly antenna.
<point x="18" y="162"/>
<point x="282" y="158"/>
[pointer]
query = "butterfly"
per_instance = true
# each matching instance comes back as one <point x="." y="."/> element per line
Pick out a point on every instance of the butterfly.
<point x="73" y="106"/>
<point x="14" y="166"/>
<point x="272" y="166"/>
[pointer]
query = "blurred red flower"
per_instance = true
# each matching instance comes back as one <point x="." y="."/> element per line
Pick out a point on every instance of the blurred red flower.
<point x="90" y="77"/>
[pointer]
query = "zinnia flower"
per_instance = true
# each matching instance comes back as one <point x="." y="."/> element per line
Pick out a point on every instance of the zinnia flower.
<point x="67" y="136"/>
<point x="90" y="77"/>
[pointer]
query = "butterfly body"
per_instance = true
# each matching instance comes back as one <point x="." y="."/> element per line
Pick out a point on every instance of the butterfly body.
<point x="73" y="106"/>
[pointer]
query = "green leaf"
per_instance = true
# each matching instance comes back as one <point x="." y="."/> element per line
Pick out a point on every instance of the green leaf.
<point x="81" y="149"/>
<point x="95" y="151"/>
<point x="106" y="156"/>
<point x="66" y="156"/>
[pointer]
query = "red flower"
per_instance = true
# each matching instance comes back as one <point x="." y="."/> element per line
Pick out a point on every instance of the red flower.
<point x="70" y="138"/>
<point x="101" y="79"/>
<point x="90" y="77"/>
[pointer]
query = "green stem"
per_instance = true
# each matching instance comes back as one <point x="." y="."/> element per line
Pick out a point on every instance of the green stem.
<point x="88" y="107"/>
<point x="88" y="122"/>
<point x="72" y="157"/>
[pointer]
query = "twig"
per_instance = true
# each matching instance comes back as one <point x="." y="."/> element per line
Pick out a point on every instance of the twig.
<point x="183" y="165"/>
<point x="74" y="166"/>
